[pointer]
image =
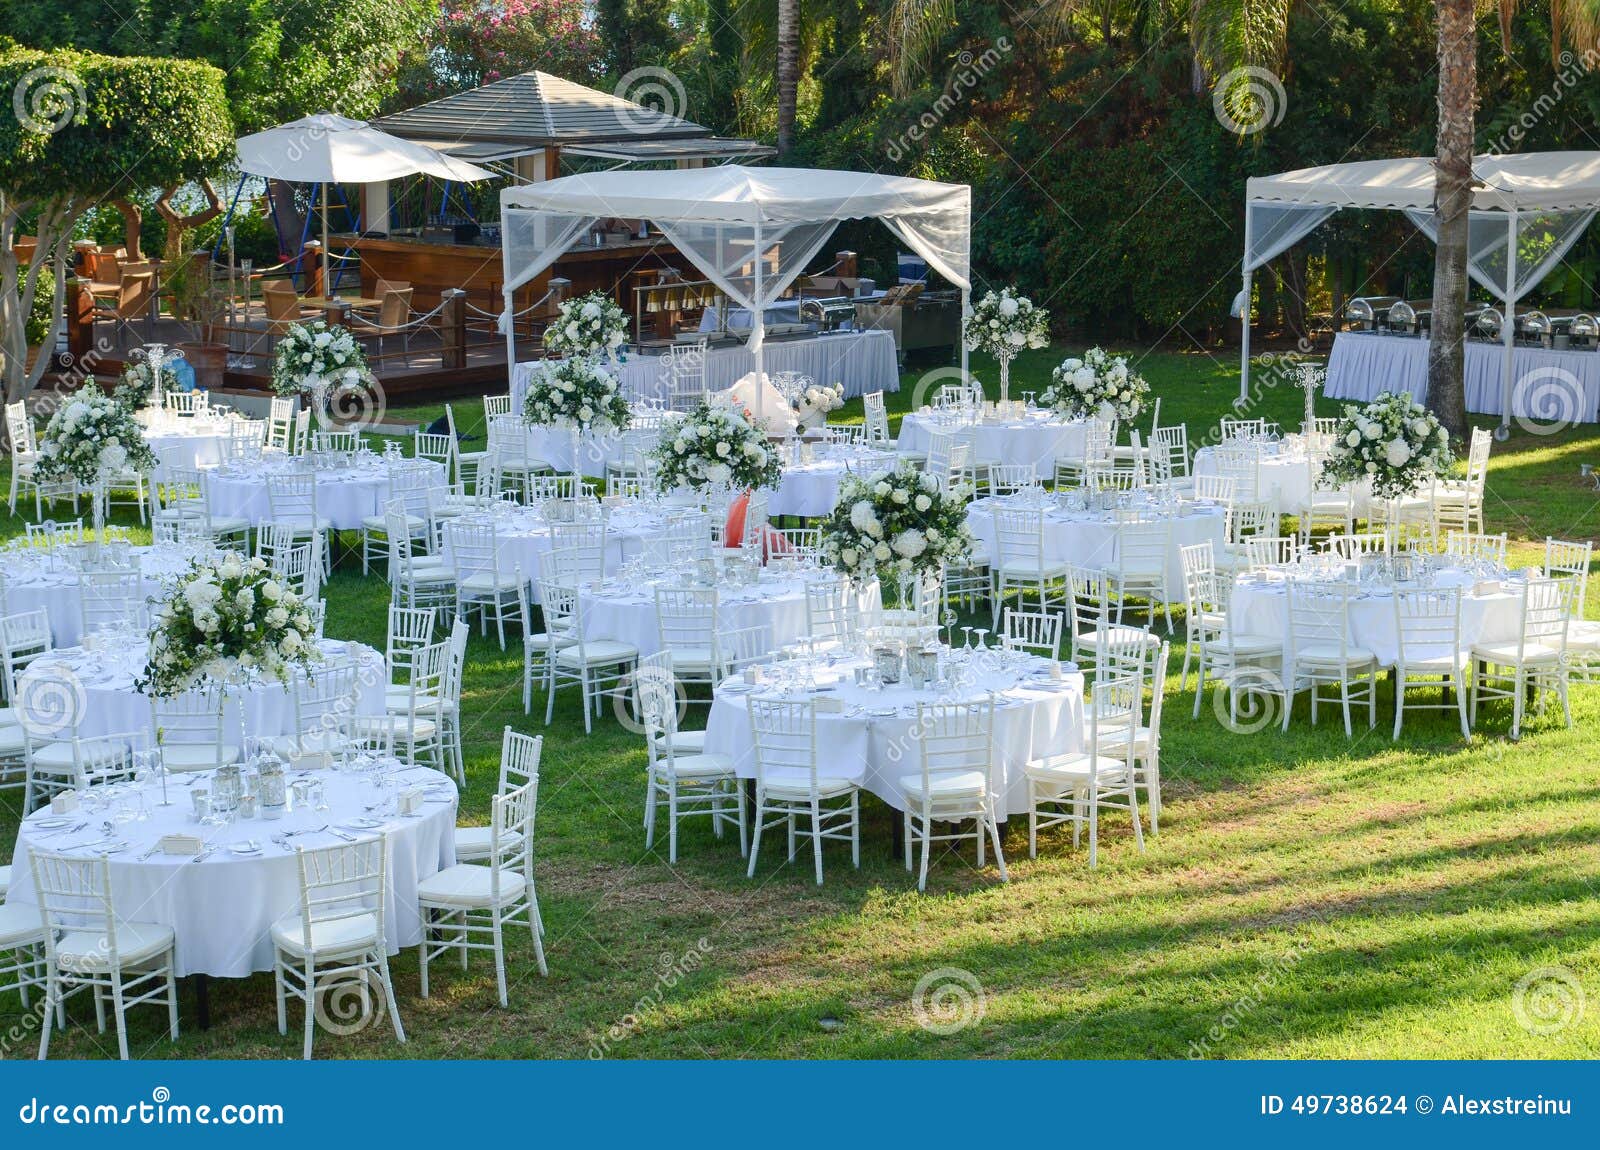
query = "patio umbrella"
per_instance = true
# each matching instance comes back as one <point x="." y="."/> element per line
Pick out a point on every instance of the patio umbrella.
<point x="328" y="148"/>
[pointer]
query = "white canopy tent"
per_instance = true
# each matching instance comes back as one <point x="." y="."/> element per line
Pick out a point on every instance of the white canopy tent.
<point x="331" y="149"/>
<point x="1527" y="210"/>
<point x="750" y="231"/>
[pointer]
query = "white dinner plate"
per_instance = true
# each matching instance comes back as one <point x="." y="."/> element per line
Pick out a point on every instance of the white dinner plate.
<point x="248" y="847"/>
<point x="363" y="824"/>
<point x="51" y="824"/>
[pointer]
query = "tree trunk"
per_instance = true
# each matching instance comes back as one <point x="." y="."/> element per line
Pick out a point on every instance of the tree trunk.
<point x="788" y="71"/>
<point x="132" y="228"/>
<point x="1458" y="95"/>
<point x="178" y="225"/>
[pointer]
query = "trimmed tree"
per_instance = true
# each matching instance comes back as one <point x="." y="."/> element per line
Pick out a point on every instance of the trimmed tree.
<point x="94" y="128"/>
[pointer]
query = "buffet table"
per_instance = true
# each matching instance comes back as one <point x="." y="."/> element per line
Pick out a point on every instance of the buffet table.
<point x="1550" y="385"/>
<point x="861" y="360"/>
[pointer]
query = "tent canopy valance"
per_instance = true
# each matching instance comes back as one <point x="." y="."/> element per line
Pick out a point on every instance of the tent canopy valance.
<point x="750" y="231"/>
<point x="1527" y="211"/>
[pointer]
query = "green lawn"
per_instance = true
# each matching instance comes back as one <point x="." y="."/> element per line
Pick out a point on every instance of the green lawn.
<point x="1307" y="896"/>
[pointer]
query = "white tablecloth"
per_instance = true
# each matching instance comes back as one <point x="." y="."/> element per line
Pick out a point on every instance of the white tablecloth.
<point x="1089" y="538"/>
<point x="36" y="580"/>
<point x="812" y="489"/>
<point x="1040" y="439"/>
<point x="189" y="442"/>
<point x="345" y="496"/>
<point x="1548" y="386"/>
<point x="222" y="907"/>
<point x="595" y="451"/>
<point x="1032" y="719"/>
<point x="777" y="602"/>
<point x="522" y="537"/>
<point x="863" y="361"/>
<point x="1261" y="607"/>
<point x="92" y="693"/>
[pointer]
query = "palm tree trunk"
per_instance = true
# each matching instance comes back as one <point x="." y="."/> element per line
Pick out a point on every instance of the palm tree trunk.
<point x="1458" y="94"/>
<point x="788" y="70"/>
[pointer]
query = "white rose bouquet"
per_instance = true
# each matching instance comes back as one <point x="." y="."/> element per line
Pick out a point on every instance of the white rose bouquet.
<point x="591" y="324"/>
<point x="224" y="618"/>
<point x="1004" y="325"/>
<point x="894" y="525"/>
<point x="576" y="394"/>
<point x="318" y="358"/>
<point x="1396" y="443"/>
<point x="1093" y="385"/>
<point x="812" y="404"/>
<point x="717" y="444"/>
<point x="90" y="438"/>
<point x="138" y="384"/>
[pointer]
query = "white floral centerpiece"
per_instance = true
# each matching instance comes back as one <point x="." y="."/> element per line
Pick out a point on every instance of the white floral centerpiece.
<point x="590" y="324"/>
<point x="895" y="526"/>
<point x="1393" y="441"/>
<point x="812" y="404"/>
<point x="137" y="386"/>
<point x="318" y="358"/>
<point x="91" y="439"/>
<point x="1100" y="384"/>
<point x="576" y="394"/>
<point x="223" y="619"/>
<point x="1004" y="325"/>
<point x="718" y="444"/>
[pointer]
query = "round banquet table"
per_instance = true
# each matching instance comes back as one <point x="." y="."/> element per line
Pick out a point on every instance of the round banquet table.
<point x="90" y="693"/>
<point x="870" y="736"/>
<point x="1490" y="611"/>
<point x="777" y="601"/>
<point x="345" y="495"/>
<point x="812" y="489"/>
<point x="189" y="442"/>
<point x="1040" y="438"/>
<point x="1287" y="475"/>
<point x="1088" y="539"/>
<point x="222" y="905"/>
<point x="595" y="451"/>
<point x="40" y="580"/>
<point x="522" y="536"/>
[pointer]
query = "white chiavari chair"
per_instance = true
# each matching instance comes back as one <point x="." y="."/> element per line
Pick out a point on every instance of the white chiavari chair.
<point x="1322" y="653"/>
<point x="339" y="935"/>
<point x="1535" y="662"/>
<point x="108" y="600"/>
<point x="1357" y="545"/>
<point x="1270" y="552"/>
<point x="90" y="947"/>
<point x="415" y="727"/>
<point x="1245" y="520"/>
<point x="1020" y="563"/>
<point x="1568" y="564"/>
<point x="1140" y="569"/>
<point x="495" y="406"/>
<point x="192" y="731"/>
<point x="1431" y="655"/>
<point x="1214" y="489"/>
<point x="1242" y="464"/>
<point x="1010" y="478"/>
<point x="22" y="956"/>
<point x="684" y="369"/>
<point x="1099" y="439"/>
<point x="1171" y="444"/>
<point x="688" y="625"/>
<point x="1036" y="632"/>
<point x="519" y="766"/>
<point x="791" y="784"/>
<point x="74" y="762"/>
<point x="322" y="705"/>
<point x="1476" y="548"/>
<point x="1242" y="664"/>
<point x="688" y="783"/>
<point x="955" y="784"/>
<point x="601" y="668"/>
<point x="411" y="486"/>
<point x="415" y="581"/>
<point x="292" y="503"/>
<point x="1458" y="503"/>
<point x="280" y="425"/>
<point x="1147" y="737"/>
<point x="482" y="584"/>
<point x="1089" y="622"/>
<point x="436" y="447"/>
<point x="1075" y="788"/>
<point x="875" y="419"/>
<point x="1328" y="506"/>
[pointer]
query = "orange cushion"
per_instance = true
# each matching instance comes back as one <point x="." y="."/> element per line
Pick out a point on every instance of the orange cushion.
<point x="733" y="528"/>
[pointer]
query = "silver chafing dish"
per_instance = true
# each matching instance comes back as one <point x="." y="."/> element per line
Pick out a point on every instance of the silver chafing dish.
<point x="828" y="314"/>
<point x="1484" y="321"/>
<point x="1558" y="327"/>
<point x="1411" y="317"/>
<point x="1369" y="312"/>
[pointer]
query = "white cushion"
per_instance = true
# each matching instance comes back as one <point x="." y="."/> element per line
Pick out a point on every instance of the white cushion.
<point x="313" y="746"/>
<point x="1505" y="654"/>
<point x="1328" y="654"/>
<point x="1432" y="664"/>
<point x="381" y="523"/>
<point x="1068" y="768"/>
<point x="1583" y="635"/>
<point x="945" y="784"/>
<point x="12" y="742"/>
<point x="197" y="756"/>
<point x="58" y="756"/>
<point x="340" y="936"/>
<point x="544" y="640"/>
<point x="690" y="741"/>
<point x="399" y="725"/>
<point x="473" y="844"/>
<point x="5" y="880"/>
<point x="484" y="583"/>
<point x="470" y="886"/>
<point x="137" y="942"/>
<point x="1029" y="569"/>
<point x="1113" y="634"/>
<point x="699" y="766"/>
<point x="601" y="653"/>
<point x="1245" y="644"/>
<point x="19" y="924"/>
<point x="692" y="658"/>
<point x="786" y="783"/>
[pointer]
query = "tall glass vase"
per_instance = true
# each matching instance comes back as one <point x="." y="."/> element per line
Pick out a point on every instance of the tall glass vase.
<point x="1005" y="378"/>
<point x="99" y="497"/>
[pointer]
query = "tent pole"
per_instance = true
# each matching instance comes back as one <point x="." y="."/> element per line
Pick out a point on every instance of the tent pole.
<point x="1244" y="315"/>
<point x="966" y="310"/>
<point x="758" y="321"/>
<point x="327" y="284"/>
<point x="1508" y="334"/>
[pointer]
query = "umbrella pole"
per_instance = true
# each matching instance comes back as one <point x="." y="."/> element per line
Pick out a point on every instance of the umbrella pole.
<point x="327" y="284"/>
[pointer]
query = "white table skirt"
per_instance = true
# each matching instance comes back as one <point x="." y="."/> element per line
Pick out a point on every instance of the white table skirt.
<point x="1548" y="386"/>
<point x="812" y="489"/>
<point x="1040" y="439"/>
<point x="777" y="603"/>
<point x="54" y="698"/>
<point x="222" y="908"/>
<point x="522" y="540"/>
<point x="57" y="593"/>
<point x="877" y="752"/>
<point x="594" y="451"/>
<point x="190" y="451"/>
<point x="1089" y="539"/>
<point x="344" y="497"/>
<point x="1261" y="607"/>
<point x="863" y="361"/>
